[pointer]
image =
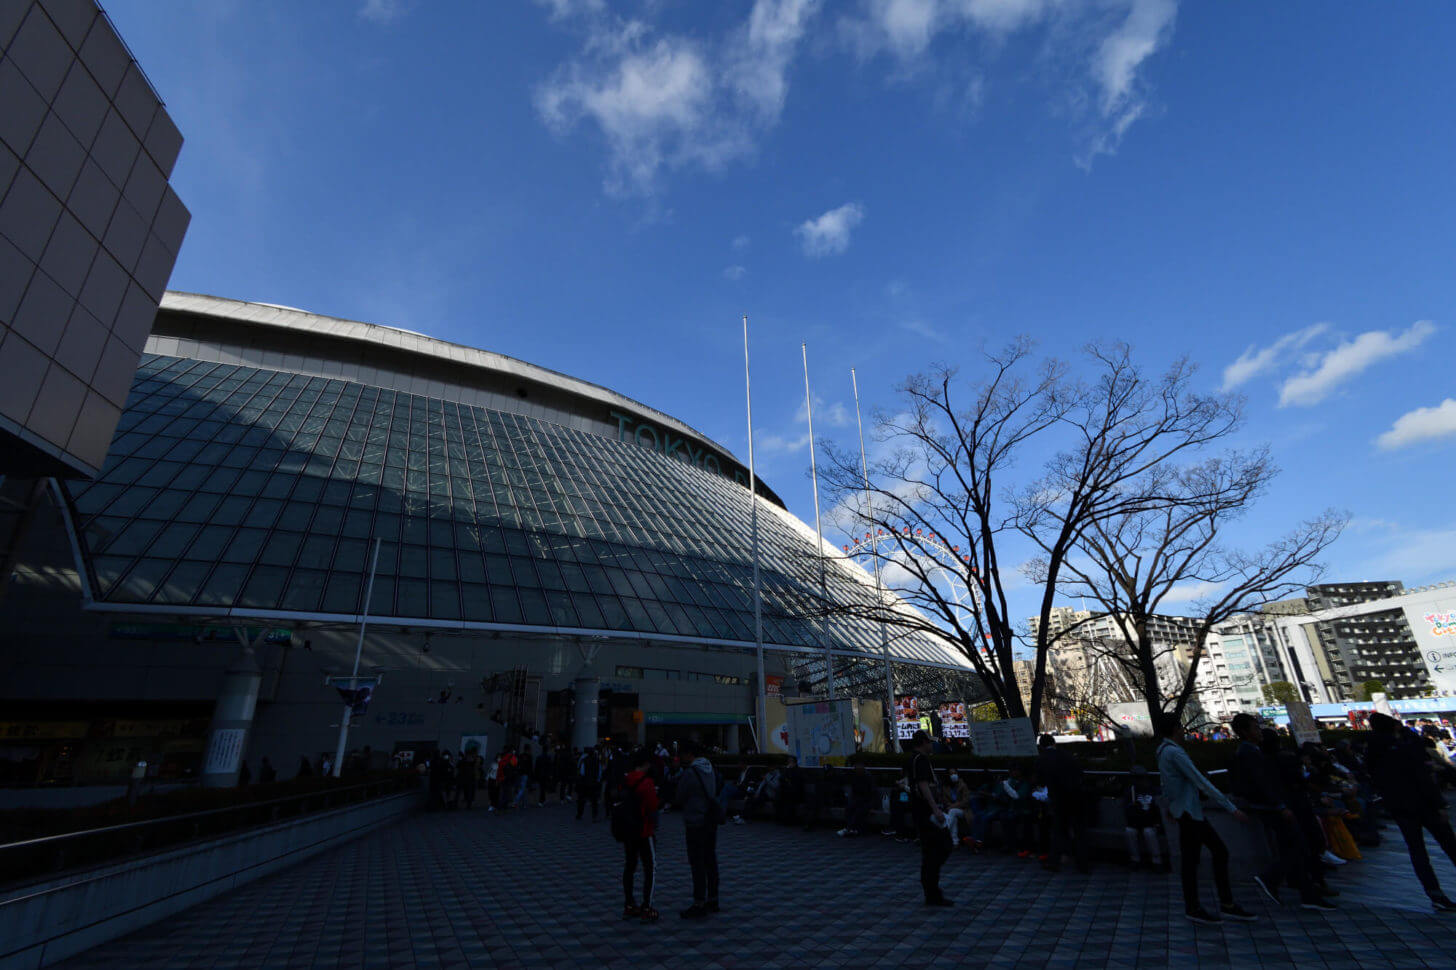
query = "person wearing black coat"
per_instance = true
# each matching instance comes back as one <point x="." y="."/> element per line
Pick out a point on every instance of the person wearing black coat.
<point x="1258" y="790"/>
<point x="1401" y="773"/>
<point x="1061" y="773"/>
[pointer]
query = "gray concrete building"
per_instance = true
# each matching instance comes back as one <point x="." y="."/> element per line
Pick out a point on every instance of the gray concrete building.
<point x="89" y="232"/>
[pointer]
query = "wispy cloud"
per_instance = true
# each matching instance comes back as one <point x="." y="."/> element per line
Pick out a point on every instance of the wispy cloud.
<point x="382" y="11"/>
<point x="1422" y="424"/>
<point x="1258" y="360"/>
<point x="1412" y="555"/>
<point x="771" y="443"/>
<point x="1349" y="359"/>
<point x="828" y="234"/>
<point x="665" y="101"/>
<point x="922" y="329"/>
<point x="1109" y="42"/>
<point x="835" y="415"/>
<point x="734" y="273"/>
<point x="741" y="243"/>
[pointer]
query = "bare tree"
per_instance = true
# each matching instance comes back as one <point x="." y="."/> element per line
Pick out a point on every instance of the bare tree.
<point x="1169" y="542"/>
<point x="933" y="504"/>
<point x="1124" y="429"/>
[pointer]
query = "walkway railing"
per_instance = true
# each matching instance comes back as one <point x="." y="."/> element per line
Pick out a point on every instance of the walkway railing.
<point x="30" y="859"/>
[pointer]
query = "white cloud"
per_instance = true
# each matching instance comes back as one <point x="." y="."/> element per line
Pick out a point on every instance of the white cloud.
<point x="1422" y="424"/>
<point x="1109" y="42"/>
<point x="668" y="101"/>
<point x="770" y="443"/>
<point x="1190" y="592"/>
<point x="1350" y="359"/>
<point x="382" y="11"/>
<point x="734" y="272"/>
<point x="1413" y="556"/>
<point x="836" y="414"/>
<point x="828" y="234"/>
<point x="1253" y="362"/>
<point x="741" y="243"/>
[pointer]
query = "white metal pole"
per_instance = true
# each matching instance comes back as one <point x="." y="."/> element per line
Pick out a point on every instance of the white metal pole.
<point x="358" y="650"/>
<point x="818" y="532"/>
<point x="879" y="585"/>
<point x="757" y="587"/>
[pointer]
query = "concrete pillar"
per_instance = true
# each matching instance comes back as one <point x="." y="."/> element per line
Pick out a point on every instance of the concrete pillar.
<point x="588" y="687"/>
<point x="232" y="720"/>
<point x="730" y="738"/>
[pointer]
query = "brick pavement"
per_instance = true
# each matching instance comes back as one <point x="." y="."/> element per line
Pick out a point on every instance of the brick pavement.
<point x="538" y="889"/>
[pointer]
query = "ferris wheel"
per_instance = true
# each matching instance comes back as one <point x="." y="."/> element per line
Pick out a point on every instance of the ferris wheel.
<point x="938" y="557"/>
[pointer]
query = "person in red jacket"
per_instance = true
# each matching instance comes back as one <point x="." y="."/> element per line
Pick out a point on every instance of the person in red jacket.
<point x="638" y="789"/>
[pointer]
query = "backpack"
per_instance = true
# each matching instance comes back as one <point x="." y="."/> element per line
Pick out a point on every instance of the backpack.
<point x="713" y="813"/>
<point x="627" y="814"/>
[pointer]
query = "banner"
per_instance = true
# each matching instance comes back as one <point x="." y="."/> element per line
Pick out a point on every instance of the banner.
<point x="1434" y="625"/>
<point x="1011" y="738"/>
<point x="953" y="720"/>
<point x="821" y="733"/>
<point x="907" y="717"/>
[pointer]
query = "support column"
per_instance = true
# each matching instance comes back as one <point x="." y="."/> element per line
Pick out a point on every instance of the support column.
<point x="232" y="721"/>
<point x="730" y="739"/>
<point x="588" y="687"/>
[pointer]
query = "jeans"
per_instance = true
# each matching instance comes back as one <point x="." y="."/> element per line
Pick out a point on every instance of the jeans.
<point x="858" y="813"/>
<point x="1413" y="829"/>
<point x="703" y="860"/>
<point x="934" y="850"/>
<point x="953" y="818"/>
<point x="646" y="851"/>
<point x="1193" y="835"/>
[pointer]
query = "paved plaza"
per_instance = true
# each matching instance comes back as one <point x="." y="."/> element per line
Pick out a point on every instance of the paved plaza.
<point x="539" y="889"/>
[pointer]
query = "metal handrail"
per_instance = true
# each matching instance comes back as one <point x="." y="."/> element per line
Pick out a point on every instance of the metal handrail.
<point x="167" y="819"/>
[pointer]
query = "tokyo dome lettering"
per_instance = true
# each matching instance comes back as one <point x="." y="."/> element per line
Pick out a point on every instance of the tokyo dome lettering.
<point x="1442" y="624"/>
<point x="674" y="446"/>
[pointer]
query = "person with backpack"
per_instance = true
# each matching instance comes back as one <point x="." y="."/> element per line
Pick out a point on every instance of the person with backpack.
<point x="634" y="824"/>
<point x="697" y="799"/>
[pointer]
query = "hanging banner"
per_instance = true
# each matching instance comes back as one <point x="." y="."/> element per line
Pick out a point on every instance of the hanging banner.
<point x="1012" y="738"/>
<point x="907" y="717"/>
<point x="821" y="733"/>
<point x="1434" y="624"/>
<point x="953" y="720"/>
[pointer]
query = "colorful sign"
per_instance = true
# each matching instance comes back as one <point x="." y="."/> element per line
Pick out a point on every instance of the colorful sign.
<point x="1434" y="625"/>
<point x="1302" y="723"/>
<point x="907" y="717"/>
<point x="953" y="720"/>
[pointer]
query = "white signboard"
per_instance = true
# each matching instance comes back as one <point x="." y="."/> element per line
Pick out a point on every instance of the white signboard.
<point x="1011" y="738"/>
<point x="1301" y="722"/>
<point x="1434" y="624"/>
<point x="820" y="732"/>
<point x="224" y="751"/>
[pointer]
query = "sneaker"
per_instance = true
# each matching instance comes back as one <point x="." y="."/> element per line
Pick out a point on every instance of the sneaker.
<point x="1235" y="911"/>
<point x="940" y="901"/>
<point x="1443" y="904"/>
<point x="1264" y="888"/>
<point x="1024" y="854"/>
<point x="1320" y="905"/>
<point x="649" y="915"/>
<point x="738" y="820"/>
<point x="631" y="911"/>
<point x="1202" y="917"/>
<point x="1332" y="859"/>
<point x="842" y="833"/>
<point x="695" y="911"/>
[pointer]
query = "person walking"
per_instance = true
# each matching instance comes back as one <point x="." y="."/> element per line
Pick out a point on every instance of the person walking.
<point x="1257" y="790"/>
<point x="1182" y="783"/>
<point x="1401" y="773"/>
<point x="634" y="824"/>
<point x="929" y="820"/>
<point x="702" y="813"/>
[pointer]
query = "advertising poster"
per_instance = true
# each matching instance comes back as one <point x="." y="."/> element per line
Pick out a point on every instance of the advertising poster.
<point x="821" y="733"/>
<point x="1012" y="738"/>
<point x="907" y="717"/>
<point x="1434" y="626"/>
<point x="953" y="720"/>
<point x="871" y="727"/>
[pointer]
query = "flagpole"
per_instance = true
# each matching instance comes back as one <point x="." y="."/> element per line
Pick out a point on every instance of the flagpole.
<point x="757" y="587"/>
<point x="818" y="531"/>
<point x="354" y="677"/>
<point x="879" y="586"/>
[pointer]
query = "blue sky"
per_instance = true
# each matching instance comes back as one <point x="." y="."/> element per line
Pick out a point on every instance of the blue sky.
<point x="605" y="189"/>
